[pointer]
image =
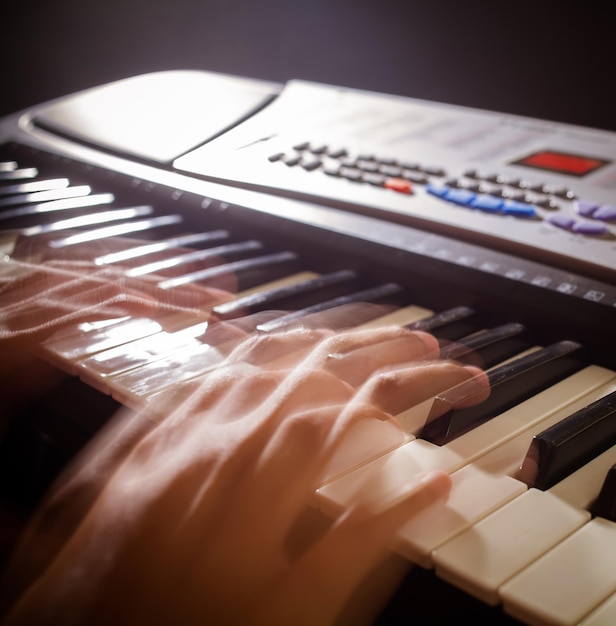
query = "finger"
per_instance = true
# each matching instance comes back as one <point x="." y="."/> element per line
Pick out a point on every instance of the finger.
<point x="57" y="294"/>
<point x="282" y="350"/>
<point x="354" y="546"/>
<point x="374" y="350"/>
<point x="258" y="440"/>
<point x="278" y="488"/>
<point x="396" y="390"/>
<point x="251" y="404"/>
<point x="292" y="463"/>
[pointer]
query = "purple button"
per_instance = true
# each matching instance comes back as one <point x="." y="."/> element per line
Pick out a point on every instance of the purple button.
<point x="562" y="221"/>
<point x="589" y="228"/>
<point x="586" y="208"/>
<point x="607" y="213"/>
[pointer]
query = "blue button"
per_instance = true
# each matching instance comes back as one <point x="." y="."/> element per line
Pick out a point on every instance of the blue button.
<point x="491" y="204"/>
<point x="460" y="196"/>
<point x="519" y="209"/>
<point x="438" y="190"/>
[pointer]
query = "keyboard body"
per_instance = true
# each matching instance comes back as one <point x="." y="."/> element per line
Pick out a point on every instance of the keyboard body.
<point x="511" y="217"/>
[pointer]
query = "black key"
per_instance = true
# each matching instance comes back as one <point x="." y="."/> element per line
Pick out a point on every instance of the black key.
<point x="566" y="446"/>
<point x="510" y="384"/>
<point x="373" y="294"/>
<point x="450" y="324"/>
<point x="488" y="347"/>
<point x="605" y="505"/>
<point x="263" y="299"/>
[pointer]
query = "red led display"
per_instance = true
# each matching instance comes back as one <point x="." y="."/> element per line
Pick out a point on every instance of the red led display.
<point x="562" y="162"/>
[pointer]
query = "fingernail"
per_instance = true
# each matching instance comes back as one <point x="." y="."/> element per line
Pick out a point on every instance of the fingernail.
<point x="430" y="341"/>
<point x="435" y="479"/>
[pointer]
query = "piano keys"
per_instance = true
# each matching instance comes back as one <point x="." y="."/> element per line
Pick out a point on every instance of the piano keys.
<point x="499" y="535"/>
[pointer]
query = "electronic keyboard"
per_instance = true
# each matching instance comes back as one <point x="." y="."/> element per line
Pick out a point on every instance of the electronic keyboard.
<point x="496" y="233"/>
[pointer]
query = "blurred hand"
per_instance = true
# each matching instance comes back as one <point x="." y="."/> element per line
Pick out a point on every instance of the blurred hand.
<point x="197" y="516"/>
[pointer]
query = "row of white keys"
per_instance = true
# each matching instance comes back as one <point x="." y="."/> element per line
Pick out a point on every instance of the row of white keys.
<point x="133" y="372"/>
<point x="70" y="347"/>
<point x="603" y="615"/>
<point x="65" y="348"/>
<point x="133" y="387"/>
<point x="195" y="358"/>
<point x="482" y="487"/>
<point x="485" y="556"/>
<point x="569" y="582"/>
<point x="388" y="477"/>
<point x="98" y="367"/>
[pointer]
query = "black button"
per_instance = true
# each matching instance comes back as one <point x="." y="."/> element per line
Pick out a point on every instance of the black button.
<point x="339" y="153"/>
<point x="312" y="164"/>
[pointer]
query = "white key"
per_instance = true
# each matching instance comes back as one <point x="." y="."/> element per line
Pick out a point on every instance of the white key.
<point x="385" y="479"/>
<point x="482" y="558"/>
<point x="279" y="283"/>
<point x="474" y="494"/>
<point x="66" y="351"/>
<point x="399" y="317"/>
<point x="95" y="369"/>
<point x="605" y="615"/>
<point x="569" y="582"/>
<point x="365" y="440"/>
<point x="134" y="387"/>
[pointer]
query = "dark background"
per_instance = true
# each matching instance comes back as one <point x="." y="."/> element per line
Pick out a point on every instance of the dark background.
<point x="552" y="59"/>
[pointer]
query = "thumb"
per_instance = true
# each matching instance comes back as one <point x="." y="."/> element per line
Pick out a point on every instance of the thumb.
<point x="358" y="542"/>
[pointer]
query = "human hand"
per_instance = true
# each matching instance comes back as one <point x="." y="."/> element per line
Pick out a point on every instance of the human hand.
<point x="42" y="293"/>
<point x="197" y="519"/>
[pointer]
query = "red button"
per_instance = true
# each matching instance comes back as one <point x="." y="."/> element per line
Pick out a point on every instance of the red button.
<point x="399" y="184"/>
